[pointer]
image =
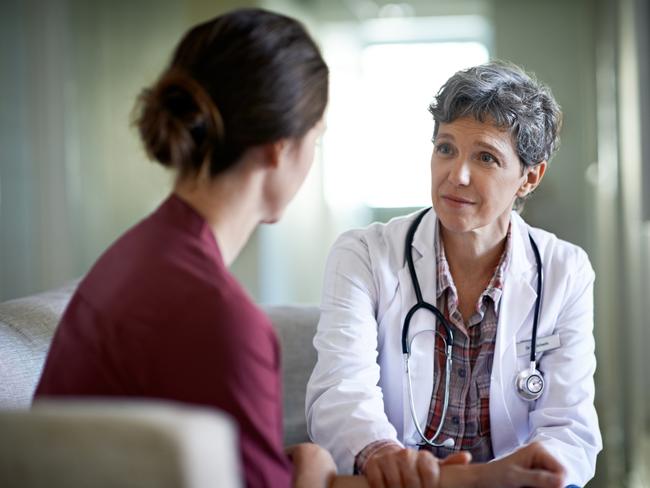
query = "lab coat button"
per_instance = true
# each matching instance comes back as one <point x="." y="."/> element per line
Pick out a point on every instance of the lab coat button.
<point x="455" y="420"/>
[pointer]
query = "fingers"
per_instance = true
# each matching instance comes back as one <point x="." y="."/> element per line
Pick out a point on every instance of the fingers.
<point x="533" y="466"/>
<point x="374" y="475"/>
<point x="403" y="468"/>
<point x="538" y="478"/>
<point x="380" y="466"/>
<point x="407" y="463"/>
<point x="542" y="459"/>
<point x="382" y="472"/>
<point x="463" y="457"/>
<point x="313" y="466"/>
<point x="428" y="468"/>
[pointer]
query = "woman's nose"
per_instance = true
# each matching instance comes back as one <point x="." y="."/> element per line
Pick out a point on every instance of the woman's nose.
<point x="459" y="173"/>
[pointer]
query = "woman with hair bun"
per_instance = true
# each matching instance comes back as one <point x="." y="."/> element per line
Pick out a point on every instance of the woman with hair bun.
<point x="236" y="115"/>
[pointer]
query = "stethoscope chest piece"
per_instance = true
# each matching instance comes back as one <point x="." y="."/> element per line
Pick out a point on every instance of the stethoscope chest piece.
<point x="530" y="384"/>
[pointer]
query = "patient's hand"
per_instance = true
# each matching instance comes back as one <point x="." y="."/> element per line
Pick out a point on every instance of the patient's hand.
<point x="313" y="466"/>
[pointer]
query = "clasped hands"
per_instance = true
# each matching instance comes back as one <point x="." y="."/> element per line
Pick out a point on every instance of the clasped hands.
<point x="394" y="466"/>
<point x="530" y="466"/>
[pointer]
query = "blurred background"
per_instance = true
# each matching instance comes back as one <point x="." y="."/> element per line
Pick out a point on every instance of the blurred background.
<point x="73" y="175"/>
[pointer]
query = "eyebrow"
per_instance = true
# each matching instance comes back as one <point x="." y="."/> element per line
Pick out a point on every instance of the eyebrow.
<point x="444" y="135"/>
<point x="490" y="147"/>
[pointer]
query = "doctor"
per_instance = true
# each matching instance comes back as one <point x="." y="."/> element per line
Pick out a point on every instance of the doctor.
<point x="436" y="354"/>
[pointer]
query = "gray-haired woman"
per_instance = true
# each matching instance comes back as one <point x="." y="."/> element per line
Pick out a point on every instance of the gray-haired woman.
<point x="461" y="328"/>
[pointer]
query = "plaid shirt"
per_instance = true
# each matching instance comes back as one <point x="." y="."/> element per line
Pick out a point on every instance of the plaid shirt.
<point x="468" y="413"/>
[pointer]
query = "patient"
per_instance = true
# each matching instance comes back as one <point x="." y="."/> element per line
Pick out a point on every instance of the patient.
<point x="235" y="116"/>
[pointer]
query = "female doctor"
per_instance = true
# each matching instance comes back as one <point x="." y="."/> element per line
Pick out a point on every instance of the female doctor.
<point x="461" y="328"/>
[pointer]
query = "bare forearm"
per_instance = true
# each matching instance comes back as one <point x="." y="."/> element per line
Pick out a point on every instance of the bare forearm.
<point x="455" y="476"/>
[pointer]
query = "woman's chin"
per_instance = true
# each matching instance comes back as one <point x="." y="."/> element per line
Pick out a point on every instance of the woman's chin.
<point x="454" y="223"/>
<point x="272" y="217"/>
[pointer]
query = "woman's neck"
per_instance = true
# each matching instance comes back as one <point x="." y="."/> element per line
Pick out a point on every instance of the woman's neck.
<point x="229" y="203"/>
<point x="475" y="254"/>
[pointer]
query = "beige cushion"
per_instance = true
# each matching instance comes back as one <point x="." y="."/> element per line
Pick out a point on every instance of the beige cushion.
<point x="109" y="444"/>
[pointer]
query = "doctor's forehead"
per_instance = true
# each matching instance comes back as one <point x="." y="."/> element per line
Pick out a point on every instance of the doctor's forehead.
<point x="469" y="130"/>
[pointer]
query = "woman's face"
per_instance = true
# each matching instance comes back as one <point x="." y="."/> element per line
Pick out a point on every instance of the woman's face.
<point x="475" y="175"/>
<point x="296" y="159"/>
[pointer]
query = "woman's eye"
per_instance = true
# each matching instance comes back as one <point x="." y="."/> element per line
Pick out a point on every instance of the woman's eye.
<point x="443" y="148"/>
<point x="488" y="158"/>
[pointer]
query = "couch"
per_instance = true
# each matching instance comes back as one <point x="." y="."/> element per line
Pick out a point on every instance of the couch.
<point x="75" y="443"/>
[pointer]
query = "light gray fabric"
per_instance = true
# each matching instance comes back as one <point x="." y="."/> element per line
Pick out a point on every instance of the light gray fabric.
<point x="110" y="444"/>
<point x="26" y="328"/>
<point x="296" y="326"/>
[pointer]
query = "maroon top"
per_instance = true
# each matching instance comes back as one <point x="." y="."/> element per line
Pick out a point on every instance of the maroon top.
<point x="160" y="316"/>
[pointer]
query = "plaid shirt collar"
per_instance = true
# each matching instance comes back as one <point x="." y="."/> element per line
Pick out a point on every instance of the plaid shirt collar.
<point x="445" y="282"/>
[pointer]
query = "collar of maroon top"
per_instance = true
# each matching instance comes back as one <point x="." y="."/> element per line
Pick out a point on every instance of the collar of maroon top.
<point x="179" y="213"/>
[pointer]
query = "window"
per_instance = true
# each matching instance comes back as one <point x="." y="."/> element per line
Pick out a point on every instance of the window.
<point x="377" y="147"/>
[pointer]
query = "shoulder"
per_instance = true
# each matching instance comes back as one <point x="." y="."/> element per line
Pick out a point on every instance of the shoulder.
<point x="152" y="265"/>
<point x="378" y="241"/>
<point x="556" y="253"/>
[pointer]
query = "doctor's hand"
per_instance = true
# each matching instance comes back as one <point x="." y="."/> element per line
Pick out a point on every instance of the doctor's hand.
<point x="530" y="466"/>
<point x="396" y="466"/>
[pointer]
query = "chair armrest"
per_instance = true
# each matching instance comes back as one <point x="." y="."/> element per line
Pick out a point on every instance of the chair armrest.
<point x="66" y="443"/>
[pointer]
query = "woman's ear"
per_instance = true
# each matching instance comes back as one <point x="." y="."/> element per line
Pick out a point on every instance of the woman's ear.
<point x="274" y="152"/>
<point x="532" y="178"/>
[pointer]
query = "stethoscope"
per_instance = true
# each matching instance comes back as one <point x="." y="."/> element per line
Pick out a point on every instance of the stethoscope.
<point x="529" y="383"/>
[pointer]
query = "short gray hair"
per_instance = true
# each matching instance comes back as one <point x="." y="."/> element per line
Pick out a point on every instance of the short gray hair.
<point x="513" y="99"/>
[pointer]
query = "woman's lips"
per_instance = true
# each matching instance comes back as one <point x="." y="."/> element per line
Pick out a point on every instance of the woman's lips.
<point x="457" y="202"/>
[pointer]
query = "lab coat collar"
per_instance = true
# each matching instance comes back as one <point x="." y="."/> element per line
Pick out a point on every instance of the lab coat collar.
<point x="523" y="259"/>
<point x="519" y="294"/>
<point x="425" y="235"/>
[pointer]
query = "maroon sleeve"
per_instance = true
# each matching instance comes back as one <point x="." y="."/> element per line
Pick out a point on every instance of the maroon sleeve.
<point x="226" y="355"/>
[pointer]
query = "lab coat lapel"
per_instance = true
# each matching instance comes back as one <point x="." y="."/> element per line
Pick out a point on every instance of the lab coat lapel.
<point x="421" y="361"/>
<point x="515" y="311"/>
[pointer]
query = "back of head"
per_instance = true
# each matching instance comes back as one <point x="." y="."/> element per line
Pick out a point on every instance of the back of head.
<point x="508" y="97"/>
<point x="243" y="79"/>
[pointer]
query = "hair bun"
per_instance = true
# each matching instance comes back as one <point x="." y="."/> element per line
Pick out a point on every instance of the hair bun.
<point x="179" y="122"/>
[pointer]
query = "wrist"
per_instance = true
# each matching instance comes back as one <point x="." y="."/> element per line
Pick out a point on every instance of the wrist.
<point x="371" y="450"/>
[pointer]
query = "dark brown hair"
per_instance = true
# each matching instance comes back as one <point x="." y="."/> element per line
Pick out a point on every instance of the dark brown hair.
<point x="243" y="79"/>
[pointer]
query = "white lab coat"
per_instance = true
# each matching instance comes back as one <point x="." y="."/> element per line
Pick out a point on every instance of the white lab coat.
<point x="357" y="392"/>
